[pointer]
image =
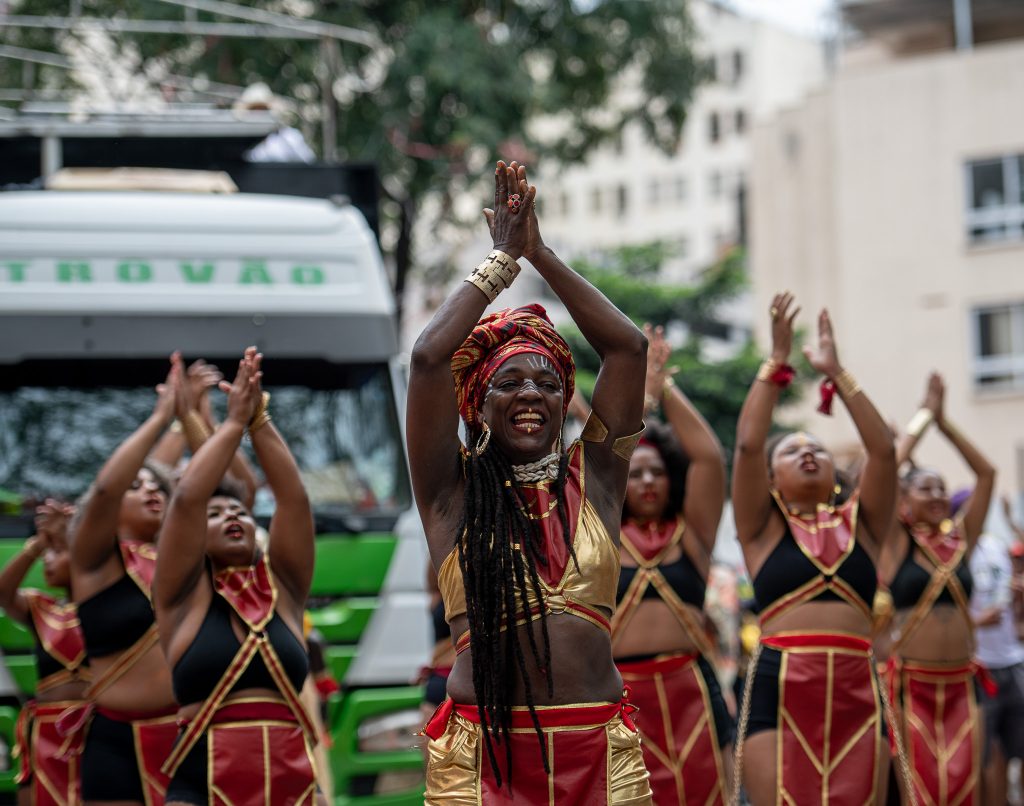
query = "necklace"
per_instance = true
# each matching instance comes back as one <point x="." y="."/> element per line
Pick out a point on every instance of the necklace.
<point x="542" y="470"/>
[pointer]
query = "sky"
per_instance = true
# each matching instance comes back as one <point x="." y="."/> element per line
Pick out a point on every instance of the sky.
<point x="804" y="16"/>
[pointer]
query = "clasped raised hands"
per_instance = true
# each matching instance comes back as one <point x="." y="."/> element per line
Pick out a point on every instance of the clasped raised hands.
<point x="513" y="221"/>
<point x="246" y="392"/>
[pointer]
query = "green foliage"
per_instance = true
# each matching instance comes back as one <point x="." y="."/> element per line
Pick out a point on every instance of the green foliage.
<point x="451" y="86"/>
<point x="717" y="388"/>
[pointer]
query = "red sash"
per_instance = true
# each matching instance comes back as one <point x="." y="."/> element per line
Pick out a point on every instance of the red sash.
<point x="676" y="723"/>
<point x="252" y="595"/>
<point x="49" y="762"/>
<point x="541" y="505"/>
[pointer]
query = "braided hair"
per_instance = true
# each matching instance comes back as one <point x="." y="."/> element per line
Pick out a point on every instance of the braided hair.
<point x="500" y="548"/>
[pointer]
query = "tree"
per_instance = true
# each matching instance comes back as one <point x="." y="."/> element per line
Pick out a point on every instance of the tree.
<point x="628" y="277"/>
<point x="446" y="87"/>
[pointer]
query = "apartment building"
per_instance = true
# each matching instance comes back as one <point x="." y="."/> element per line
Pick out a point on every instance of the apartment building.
<point x="895" y="196"/>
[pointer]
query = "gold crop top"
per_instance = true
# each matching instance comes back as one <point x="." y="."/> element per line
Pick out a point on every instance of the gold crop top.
<point x="565" y="589"/>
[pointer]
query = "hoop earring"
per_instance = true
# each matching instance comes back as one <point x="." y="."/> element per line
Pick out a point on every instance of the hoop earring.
<point x="484" y="440"/>
<point x="836" y="489"/>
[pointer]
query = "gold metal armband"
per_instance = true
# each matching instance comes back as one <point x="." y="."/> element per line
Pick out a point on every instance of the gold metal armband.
<point x="919" y="422"/>
<point x="495" y="274"/>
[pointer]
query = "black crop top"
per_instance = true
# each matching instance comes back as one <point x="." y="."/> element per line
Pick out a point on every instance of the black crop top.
<point x="46" y="664"/>
<point x="114" y="619"/>
<point x="442" y="629"/>
<point x="681" y="575"/>
<point x="911" y="580"/>
<point x="788" y="568"/>
<point x="200" y="669"/>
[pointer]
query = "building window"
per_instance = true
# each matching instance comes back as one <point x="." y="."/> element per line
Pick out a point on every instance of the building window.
<point x="654" y="192"/>
<point x="680" y="188"/>
<point x="999" y="347"/>
<point x="715" y="184"/>
<point x="995" y="199"/>
<point x="595" y="199"/>
<point x="738" y="66"/>
<point x="621" y="200"/>
<point x="740" y="121"/>
<point x="714" y="128"/>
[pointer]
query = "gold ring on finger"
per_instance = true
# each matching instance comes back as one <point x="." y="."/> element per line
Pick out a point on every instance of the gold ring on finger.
<point x="774" y="312"/>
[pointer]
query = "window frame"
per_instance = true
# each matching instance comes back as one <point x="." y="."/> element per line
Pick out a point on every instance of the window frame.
<point x="1011" y="364"/>
<point x="1009" y="216"/>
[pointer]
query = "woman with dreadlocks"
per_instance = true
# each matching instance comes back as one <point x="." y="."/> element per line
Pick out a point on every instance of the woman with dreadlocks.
<point x="523" y="534"/>
<point x="669" y="521"/>
<point x="811" y="728"/>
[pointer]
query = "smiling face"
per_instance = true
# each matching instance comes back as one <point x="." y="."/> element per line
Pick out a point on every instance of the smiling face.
<point x="925" y="499"/>
<point x="230" y="532"/>
<point x="523" y="407"/>
<point x="142" y="507"/>
<point x="801" y="468"/>
<point x="647" y="487"/>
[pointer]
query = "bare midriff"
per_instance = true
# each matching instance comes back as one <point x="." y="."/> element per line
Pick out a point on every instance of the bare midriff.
<point x="654" y="629"/>
<point x="144" y="687"/>
<point x="837" y="617"/>
<point x="942" y="636"/>
<point x="581" y="664"/>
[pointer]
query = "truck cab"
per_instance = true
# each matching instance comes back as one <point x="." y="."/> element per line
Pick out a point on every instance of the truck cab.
<point x="98" y="288"/>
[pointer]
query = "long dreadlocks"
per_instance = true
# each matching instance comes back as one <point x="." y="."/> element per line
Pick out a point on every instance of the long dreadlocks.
<point x="500" y="548"/>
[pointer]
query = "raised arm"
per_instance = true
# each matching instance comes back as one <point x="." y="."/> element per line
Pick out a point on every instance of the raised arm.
<point x="619" y="343"/>
<point x="95" y="537"/>
<point x="878" y="486"/>
<point x="12" y="599"/>
<point x="705" y="478"/>
<point x="179" y="571"/>
<point x="432" y="419"/>
<point x="976" y="508"/>
<point x="931" y="408"/>
<point x="751" y="487"/>
<point x="291" y="548"/>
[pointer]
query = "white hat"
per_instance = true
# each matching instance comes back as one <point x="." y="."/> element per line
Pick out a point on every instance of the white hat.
<point x="259" y="96"/>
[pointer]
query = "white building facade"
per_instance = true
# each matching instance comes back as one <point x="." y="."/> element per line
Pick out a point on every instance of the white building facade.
<point x="896" y="198"/>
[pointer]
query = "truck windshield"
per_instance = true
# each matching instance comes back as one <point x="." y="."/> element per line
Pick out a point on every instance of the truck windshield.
<point x="60" y="420"/>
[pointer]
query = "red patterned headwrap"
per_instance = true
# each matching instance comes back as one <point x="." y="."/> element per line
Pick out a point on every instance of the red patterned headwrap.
<point x="494" y="340"/>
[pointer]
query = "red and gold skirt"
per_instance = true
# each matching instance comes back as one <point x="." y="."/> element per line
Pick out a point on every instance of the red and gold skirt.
<point x="937" y="705"/>
<point x="49" y="762"/>
<point x="676" y="721"/>
<point x="593" y="751"/>
<point x="829" y="719"/>
<point x="254" y="752"/>
<point x="154" y="736"/>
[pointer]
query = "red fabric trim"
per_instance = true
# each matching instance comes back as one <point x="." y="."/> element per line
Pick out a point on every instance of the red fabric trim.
<point x="250" y="592"/>
<point x="568" y="716"/>
<point x="664" y="665"/>
<point x="57" y="629"/>
<point x="140" y="563"/>
<point x="783" y="376"/>
<point x="259" y="764"/>
<point x="827" y="392"/>
<point x="824" y="640"/>
<point x="254" y="712"/>
<point x="539" y="502"/>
